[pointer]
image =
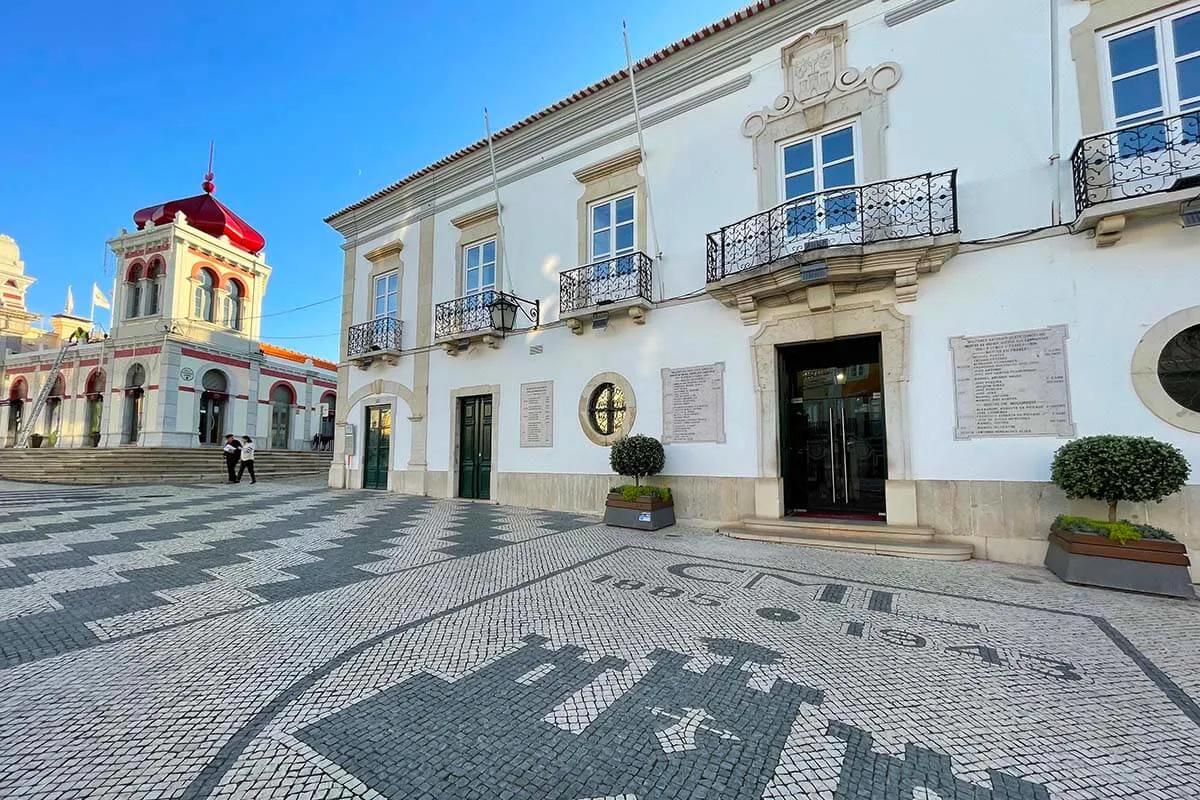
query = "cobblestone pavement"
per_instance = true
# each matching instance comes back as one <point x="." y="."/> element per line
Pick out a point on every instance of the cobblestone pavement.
<point x="295" y="642"/>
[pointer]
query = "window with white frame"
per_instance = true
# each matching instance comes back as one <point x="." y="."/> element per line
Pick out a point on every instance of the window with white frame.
<point x="479" y="269"/>
<point x="812" y="167"/>
<point x="612" y="227"/>
<point x="386" y="294"/>
<point x="1153" y="71"/>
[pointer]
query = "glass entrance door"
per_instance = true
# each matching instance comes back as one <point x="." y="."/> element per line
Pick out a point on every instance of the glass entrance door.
<point x="212" y="419"/>
<point x="834" y="443"/>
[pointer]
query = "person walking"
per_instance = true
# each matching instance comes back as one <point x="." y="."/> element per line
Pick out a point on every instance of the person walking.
<point x="247" y="459"/>
<point x="233" y="449"/>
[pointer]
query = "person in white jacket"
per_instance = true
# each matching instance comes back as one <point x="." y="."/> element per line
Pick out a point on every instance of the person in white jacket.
<point x="247" y="459"/>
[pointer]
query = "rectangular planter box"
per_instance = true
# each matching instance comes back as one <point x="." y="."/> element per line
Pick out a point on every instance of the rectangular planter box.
<point x="644" y="514"/>
<point x="1150" y="566"/>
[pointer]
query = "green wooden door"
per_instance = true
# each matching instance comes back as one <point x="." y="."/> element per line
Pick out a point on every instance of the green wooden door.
<point x="376" y="453"/>
<point x="475" y="447"/>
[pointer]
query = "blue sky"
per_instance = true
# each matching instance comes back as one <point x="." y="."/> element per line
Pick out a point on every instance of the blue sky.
<point x="108" y="107"/>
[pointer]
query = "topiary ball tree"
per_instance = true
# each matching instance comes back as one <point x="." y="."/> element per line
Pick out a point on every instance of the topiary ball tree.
<point x="1136" y="469"/>
<point x="637" y="456"/>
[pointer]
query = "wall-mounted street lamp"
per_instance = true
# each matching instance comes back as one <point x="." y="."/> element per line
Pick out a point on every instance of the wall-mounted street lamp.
<point x="503" y="310"/>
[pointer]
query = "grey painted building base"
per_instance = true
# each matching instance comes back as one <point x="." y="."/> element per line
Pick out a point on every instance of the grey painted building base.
<point x="1118" y="573"/>
<point x="639" y="520"/>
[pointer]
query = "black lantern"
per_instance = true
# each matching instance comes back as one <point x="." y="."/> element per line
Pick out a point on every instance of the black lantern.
<point x="504" y="313"/>
<point x="503" y="310"/>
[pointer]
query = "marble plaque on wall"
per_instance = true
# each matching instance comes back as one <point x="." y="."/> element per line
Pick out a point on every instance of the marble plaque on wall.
<point x="537" y="414"/>
<point x="694" y="403"/>
<point x="1012" y="384"/>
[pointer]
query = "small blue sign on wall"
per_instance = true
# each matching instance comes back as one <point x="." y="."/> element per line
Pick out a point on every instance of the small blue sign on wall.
<point x="644" y="516"/>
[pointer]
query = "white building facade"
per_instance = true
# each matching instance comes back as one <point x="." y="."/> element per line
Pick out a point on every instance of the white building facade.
<point x="878" y="259"/>
<point x="183" y="364"/>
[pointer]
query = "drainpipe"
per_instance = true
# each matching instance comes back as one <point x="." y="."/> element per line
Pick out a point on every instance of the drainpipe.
<point x="1055" y="120"/>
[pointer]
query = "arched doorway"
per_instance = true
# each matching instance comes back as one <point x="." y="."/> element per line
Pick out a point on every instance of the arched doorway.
<point x="329" y="414"/>
<point x="94" y="411"/>
<point x="282" y="399"/>
<point x="17" y="396"/>
<point x="52" y="416"/>
<point x="135" y="393"/>
<point x="213" y="403"/>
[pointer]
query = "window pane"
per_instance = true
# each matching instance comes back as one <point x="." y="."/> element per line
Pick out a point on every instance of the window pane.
<point x="838" y="175"/>
<point x="1189" y="78"/>
<point x="391" y="305"/>
<point x="380" y="307"/>
<point x="472" y="280"/>
<point x="1135" y="51"/>
<point x="625" y="209"/>
<point x="489" y="275"/>
<point x="472" y="257"/>
<point x="797" y="157"/>
<point x="841" y="209"/>
<point x="801" y="219"/>
<point x="799" y="185"/>
<point x="837" y="145"/>
<point x="601" y="216"/>
<point x="1187" y="34"/>
<point x="625" y="237"/>
<point x="391" y="282"/>
<point x="1137" y="94"/>
<point x="489" y="252"/>
<point x="599" y="244"/>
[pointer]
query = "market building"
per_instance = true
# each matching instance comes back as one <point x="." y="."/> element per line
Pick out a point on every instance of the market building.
<point x="183" y="364"/>
<point x="875" y="261"/>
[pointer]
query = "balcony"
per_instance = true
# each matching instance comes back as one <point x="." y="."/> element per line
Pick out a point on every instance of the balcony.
<point x="378" y="339"/>
<point x="835" y="242"/>
<point x="594" y="291"/>
<point x="485" y="317"/>
<point x="1143" y="169"/>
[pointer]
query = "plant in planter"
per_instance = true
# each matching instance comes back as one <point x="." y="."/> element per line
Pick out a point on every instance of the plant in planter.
<point x="1117" y="553"/>
<point x="52" y="439"/>
<point x="646" y="508"/>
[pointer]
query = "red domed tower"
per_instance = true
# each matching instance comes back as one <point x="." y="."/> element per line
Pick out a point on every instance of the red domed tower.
<point x="191" y="263"/>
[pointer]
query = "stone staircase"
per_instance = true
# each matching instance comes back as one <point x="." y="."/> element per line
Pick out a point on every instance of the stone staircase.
<point x="850" y="536"/>
<point x="140" y="465"/>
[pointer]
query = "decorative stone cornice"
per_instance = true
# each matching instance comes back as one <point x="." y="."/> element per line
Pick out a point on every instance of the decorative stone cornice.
<point x="483" y="214"/>
<point x="391" y="248"/>
<point x="850" y="269"/>
<point x="609" y="166"/>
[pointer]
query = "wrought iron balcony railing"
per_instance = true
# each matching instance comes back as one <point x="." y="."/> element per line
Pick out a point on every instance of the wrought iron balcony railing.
<point x="1138" y="160"/>
<point x="907" y="208"/>
<point x="371" y="337"/>
<point x="464" y="315"/>
<point x="612" y="280"/>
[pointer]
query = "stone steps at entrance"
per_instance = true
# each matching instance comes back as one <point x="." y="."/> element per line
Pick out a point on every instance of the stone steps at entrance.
<point x="134" y="465"/>
<point x="860" y="537"/>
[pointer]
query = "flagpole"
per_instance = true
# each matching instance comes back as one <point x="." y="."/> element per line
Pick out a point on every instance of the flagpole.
<point x="637" y="119"/>
<point x="487" y="126"/>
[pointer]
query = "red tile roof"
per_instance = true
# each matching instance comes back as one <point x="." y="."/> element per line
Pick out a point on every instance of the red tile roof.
<point x="294" y="355"/>
<point x="727" y="22"/>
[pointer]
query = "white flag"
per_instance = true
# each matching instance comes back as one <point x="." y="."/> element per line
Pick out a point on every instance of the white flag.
<point x="98" y="297"/>
<point x="70" y="307"/>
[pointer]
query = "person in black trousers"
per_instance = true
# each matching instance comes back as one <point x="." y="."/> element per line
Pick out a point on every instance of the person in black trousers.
<point x="247" y="456"/>
<point x="233" y="453"/>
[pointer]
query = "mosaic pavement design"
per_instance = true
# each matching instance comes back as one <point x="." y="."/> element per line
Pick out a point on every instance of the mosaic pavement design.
<point x="300" y="643"/>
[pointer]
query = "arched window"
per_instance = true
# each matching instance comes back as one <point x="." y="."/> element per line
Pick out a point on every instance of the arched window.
<point x="135" y="378"/>
<point x="154" y="287"/>
<point x="232" y="316"/>
<point x="133" y="292"/>
<point x="95" y="384"/>
<point x="205" y="288"/>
